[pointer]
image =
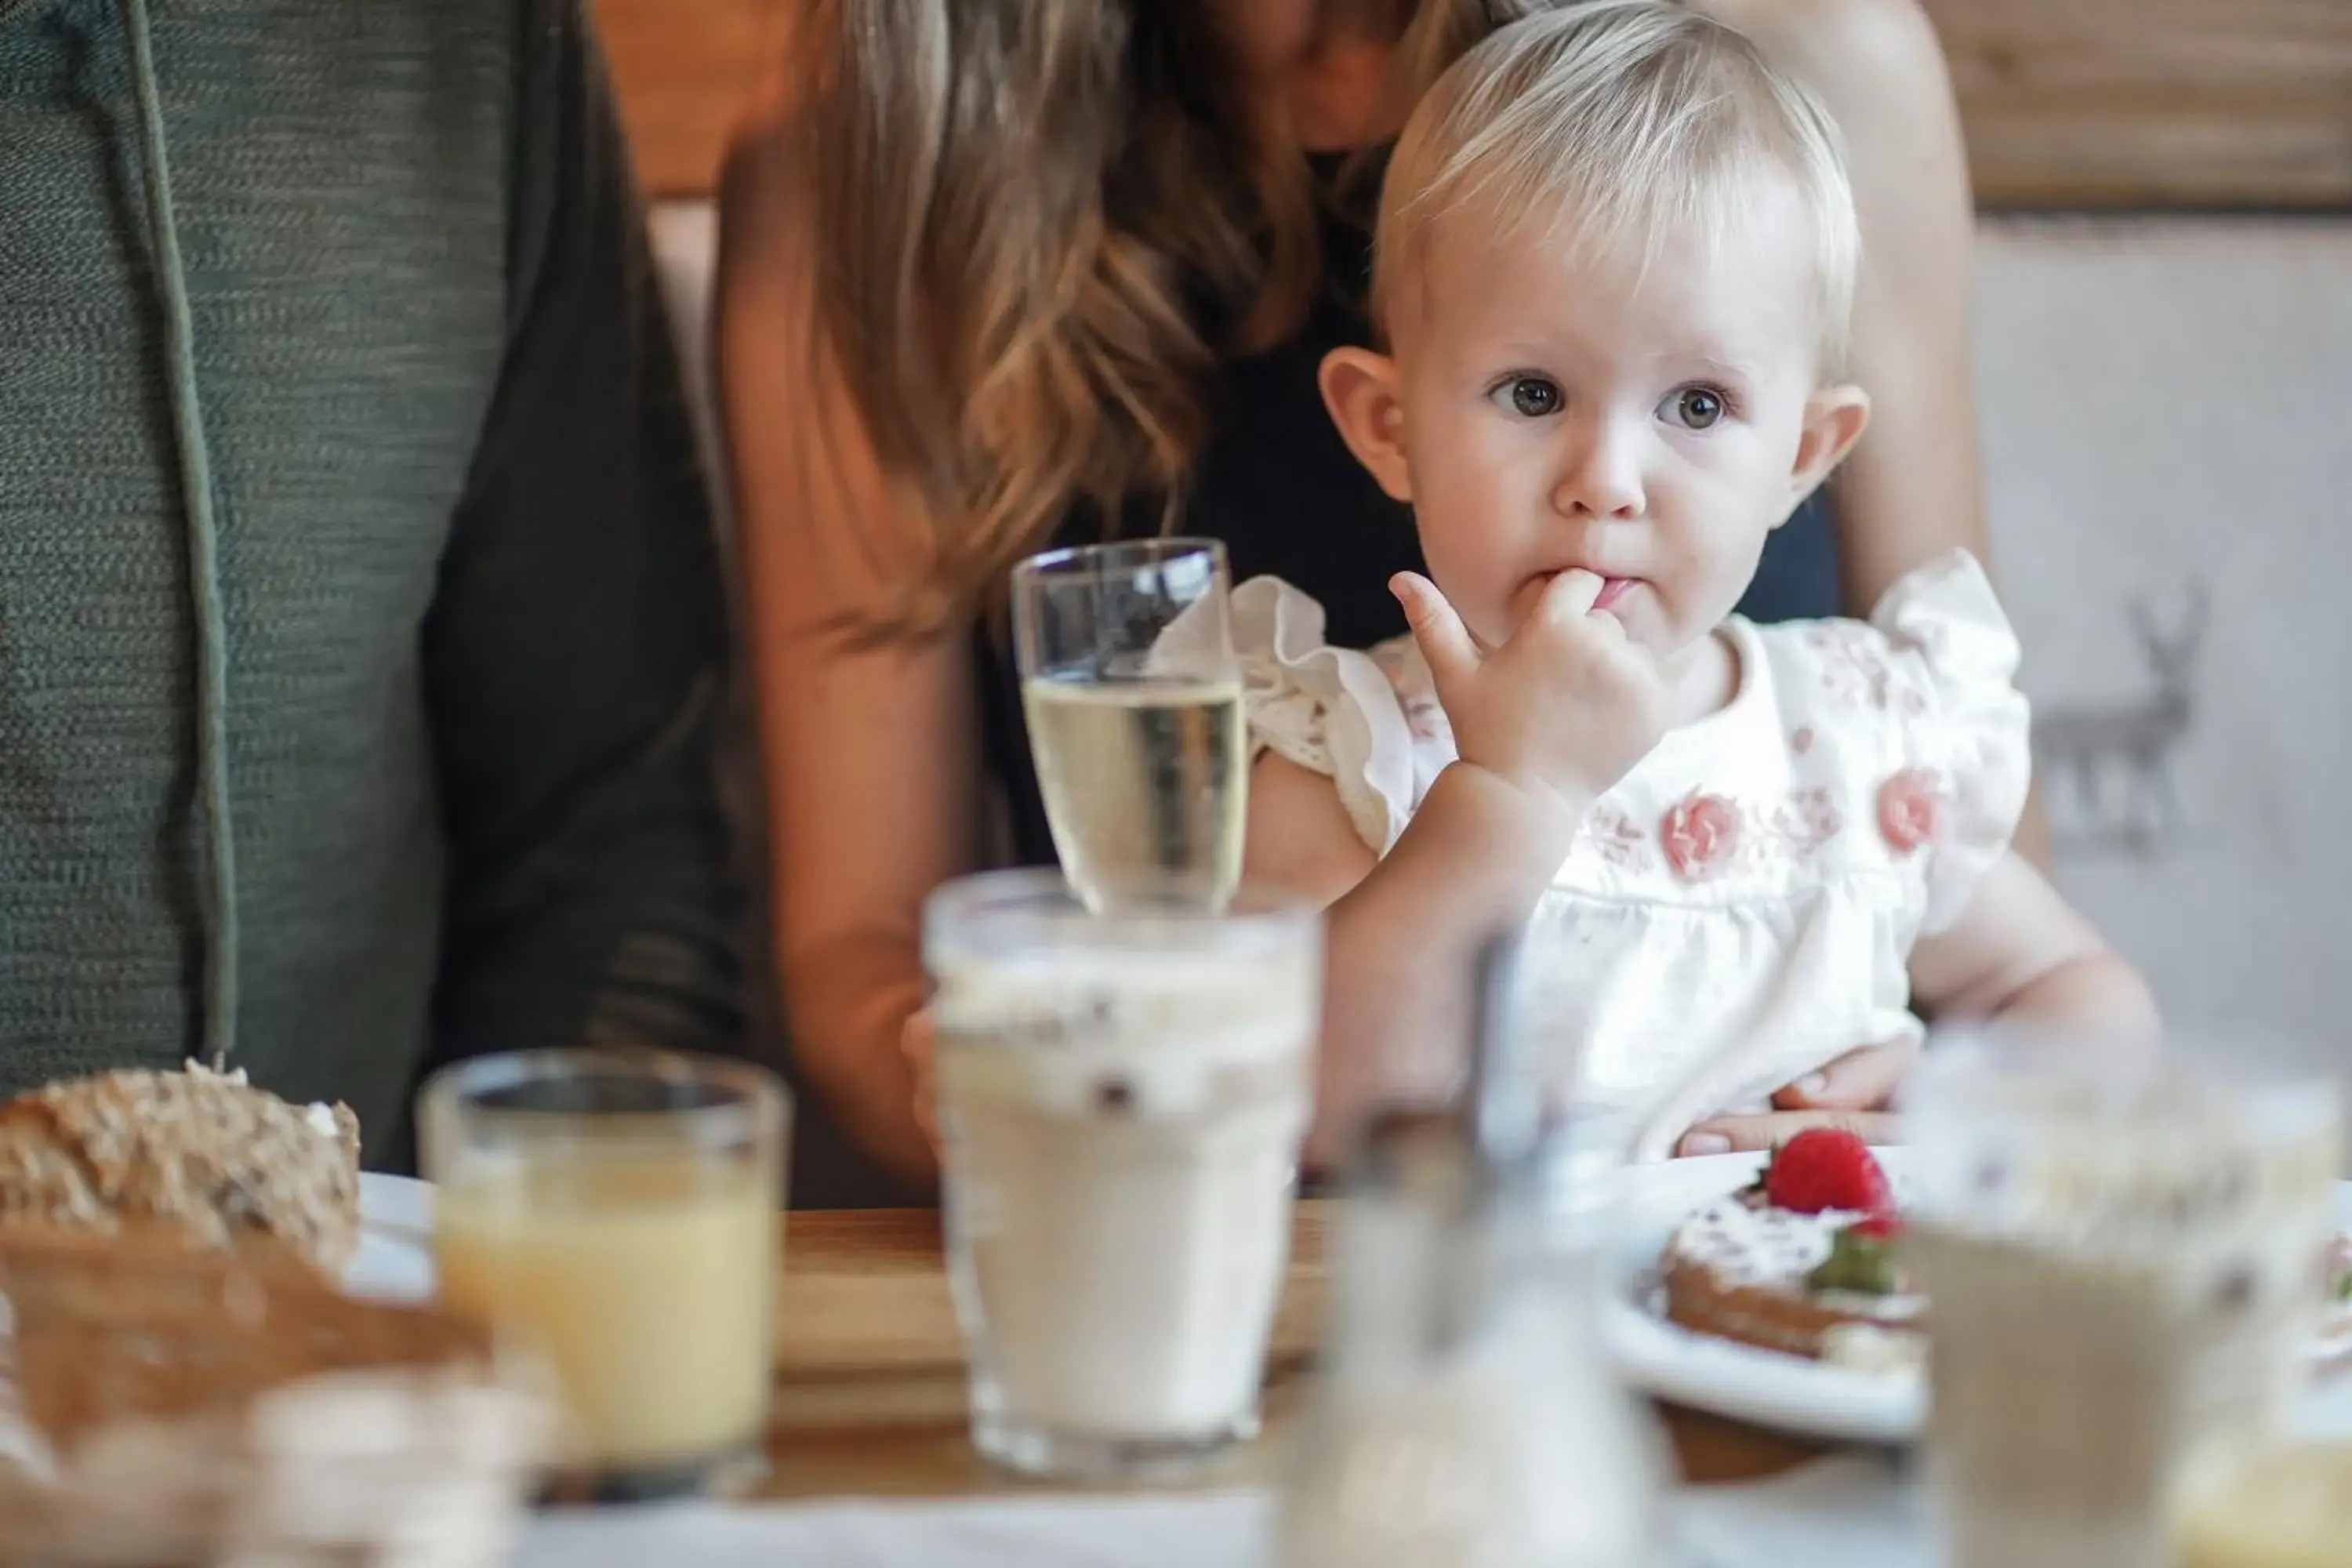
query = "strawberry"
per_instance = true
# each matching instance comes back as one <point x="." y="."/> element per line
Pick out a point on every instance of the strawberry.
<point x="1878" y="1227"/>
<point x="1827" y="1168"/>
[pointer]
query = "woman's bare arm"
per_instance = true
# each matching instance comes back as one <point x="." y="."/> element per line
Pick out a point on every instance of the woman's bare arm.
<point x="1914" y="487"/>
<point x="871" y="754"/>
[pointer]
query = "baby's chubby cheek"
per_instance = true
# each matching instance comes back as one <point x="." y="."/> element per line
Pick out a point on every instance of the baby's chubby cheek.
<point x="1479" y="594"/>
<point x="1475" y="564"/>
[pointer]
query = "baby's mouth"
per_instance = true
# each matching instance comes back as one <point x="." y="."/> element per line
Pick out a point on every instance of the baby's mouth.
<point x="1612" y="590"/>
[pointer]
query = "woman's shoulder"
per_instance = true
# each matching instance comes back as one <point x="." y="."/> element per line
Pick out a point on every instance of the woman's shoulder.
<point x="767" y="170"/>
<point x="1855" y="44"/>
<point x="759" y="170"/>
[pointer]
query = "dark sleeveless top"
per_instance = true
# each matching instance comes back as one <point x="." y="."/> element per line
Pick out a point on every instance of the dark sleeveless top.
<point x="1279" y="487"/>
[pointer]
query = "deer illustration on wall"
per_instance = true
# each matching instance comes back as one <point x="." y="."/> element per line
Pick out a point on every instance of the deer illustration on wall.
<point x="2115" y="759"/>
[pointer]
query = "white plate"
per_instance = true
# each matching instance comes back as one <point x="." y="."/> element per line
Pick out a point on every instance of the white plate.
<point x="394" y="1262"/>
<point x="1764" y="1387"/>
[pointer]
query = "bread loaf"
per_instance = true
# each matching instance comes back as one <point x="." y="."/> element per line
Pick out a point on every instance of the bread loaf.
<point x="203" y="1154"/>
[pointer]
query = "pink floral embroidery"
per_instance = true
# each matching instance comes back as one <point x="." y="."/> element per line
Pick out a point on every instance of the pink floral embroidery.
<point x="1911" y="809"/>
<point x="1392" y="659"/>
<point x="1425" y="716"/>
<point x="1858" y="669"/>
<point x="1617" y="838"/>
<point x="1809" y="820"/>
<point x="1699" y="835"/>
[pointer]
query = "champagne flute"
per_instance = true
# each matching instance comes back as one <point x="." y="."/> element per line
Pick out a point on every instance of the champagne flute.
<point x="1134" y="704"/>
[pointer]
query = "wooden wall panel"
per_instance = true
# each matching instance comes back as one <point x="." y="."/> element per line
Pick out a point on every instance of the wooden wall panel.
<point x="2068" y="103"/>
<point x="2124" y="103"/>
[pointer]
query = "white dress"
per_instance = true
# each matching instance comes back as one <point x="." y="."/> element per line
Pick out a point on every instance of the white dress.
<point x="1740" y="908"/>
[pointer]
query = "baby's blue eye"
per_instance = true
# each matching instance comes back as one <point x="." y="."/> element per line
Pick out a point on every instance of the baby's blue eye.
<point x="1532" y="396"/>
<point x="1694" y="407"/>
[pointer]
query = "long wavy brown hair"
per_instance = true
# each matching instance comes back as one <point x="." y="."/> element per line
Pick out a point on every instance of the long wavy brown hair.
<point x="1038" y="222"/>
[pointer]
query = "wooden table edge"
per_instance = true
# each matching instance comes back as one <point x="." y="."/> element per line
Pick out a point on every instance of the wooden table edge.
<point x="869" y="1395"/>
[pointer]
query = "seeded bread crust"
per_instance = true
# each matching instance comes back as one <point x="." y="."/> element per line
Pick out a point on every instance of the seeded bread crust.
<point x="200" y="1152"/>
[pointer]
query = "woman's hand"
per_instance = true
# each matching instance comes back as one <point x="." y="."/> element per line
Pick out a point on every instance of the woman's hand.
<point x="915" y="1042"/>
<point x="1851" y="1092"/>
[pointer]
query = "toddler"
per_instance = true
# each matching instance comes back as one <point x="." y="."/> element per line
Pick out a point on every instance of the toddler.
<point x="1614" y="269"/>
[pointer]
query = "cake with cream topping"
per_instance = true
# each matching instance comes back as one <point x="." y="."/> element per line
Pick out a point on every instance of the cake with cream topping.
<point x="1802" y="1261"/>
<point x="1805" y="1261"/>
<point x="1743" y="1269"/>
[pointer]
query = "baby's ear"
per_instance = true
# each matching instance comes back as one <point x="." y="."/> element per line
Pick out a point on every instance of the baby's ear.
<point x="1360" y="389"/>
<point x="1835" y="417"/>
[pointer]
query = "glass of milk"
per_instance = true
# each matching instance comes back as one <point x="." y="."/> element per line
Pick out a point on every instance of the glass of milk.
<point x="1121" y="1102"/>
<point x="1133" y="700"/>
<point x="2119" y="1244"/>
<point x="616" y="1214"/>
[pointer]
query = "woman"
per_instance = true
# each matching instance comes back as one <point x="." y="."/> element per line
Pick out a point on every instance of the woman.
<point x="999" y="272"/>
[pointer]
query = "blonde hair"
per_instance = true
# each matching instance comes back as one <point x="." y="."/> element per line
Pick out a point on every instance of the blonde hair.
<point x="1631" y="121"/>
<point x="1036" y="226"/>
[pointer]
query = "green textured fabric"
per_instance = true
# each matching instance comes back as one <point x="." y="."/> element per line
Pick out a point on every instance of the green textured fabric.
<point x="476" y="641"/>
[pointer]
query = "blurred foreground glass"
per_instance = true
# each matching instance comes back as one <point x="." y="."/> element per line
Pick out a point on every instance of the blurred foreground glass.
<point x="617" y="1213"/>
<point x="1466" y="1413"/>
<point x="1121" y="1101"/>
<point x="2123" y="1249"/>
<point x="1134" y="705"/>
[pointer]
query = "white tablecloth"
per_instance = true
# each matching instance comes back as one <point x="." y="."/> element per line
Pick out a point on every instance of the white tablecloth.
<point x="1852" y="1511"/>
<point x="1842" y="1511"/>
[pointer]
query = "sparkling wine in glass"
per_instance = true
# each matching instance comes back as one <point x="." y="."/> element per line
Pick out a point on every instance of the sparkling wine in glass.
<point x="1134" y="705"/>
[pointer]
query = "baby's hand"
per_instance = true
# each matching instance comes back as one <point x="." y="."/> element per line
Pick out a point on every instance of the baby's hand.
<point x="1567" y="707"/>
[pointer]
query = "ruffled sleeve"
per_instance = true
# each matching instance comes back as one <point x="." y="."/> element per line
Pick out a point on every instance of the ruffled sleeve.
<point x="1961" y="802"/>
<point x="1330" y="709"/>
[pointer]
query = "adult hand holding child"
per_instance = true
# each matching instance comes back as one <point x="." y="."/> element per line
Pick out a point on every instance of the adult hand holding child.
<point x="1855" y="1093"/>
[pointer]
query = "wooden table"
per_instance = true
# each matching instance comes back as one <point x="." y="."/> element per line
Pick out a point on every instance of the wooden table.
<point x="870" y="1369"/>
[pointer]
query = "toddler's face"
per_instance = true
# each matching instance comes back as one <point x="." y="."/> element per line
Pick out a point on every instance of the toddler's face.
<point x="1650" y="424"/>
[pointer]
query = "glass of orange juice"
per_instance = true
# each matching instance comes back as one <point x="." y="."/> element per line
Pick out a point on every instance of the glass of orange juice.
<point x="616" y="1214"/>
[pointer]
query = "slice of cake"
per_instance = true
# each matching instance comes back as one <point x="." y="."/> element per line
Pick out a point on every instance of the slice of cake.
<point x="204" y="1154"/>
<point x="1807" y="1261"/>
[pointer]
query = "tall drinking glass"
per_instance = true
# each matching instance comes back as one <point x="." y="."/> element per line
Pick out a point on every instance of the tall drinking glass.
<point x="1134" y="704"/>
<point x="616" y="1212"/>
<point x="2123" y="1247"/>
<point x="1122" y="1099"/>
